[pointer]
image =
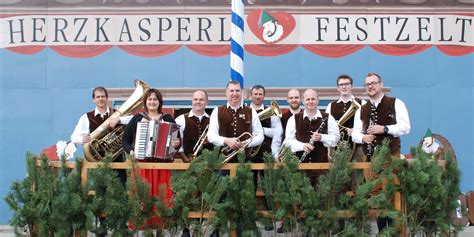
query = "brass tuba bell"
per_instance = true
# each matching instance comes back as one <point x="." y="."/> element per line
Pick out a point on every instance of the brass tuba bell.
<point x="274" y="109"/>
<point x="348" y="114"/>
<point x="103" y="139"/>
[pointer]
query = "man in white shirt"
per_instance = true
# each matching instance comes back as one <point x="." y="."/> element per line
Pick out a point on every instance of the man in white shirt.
<point x="382" y="117"/>
<point x="311" y="133"/>
<point x="229" y="121"/>
<point x="193" y="124"/>
<point x="93" y="119"/>
<point x="272" y="129"/>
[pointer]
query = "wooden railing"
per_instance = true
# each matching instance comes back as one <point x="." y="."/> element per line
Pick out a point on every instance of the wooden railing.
<point x="232" y="168"/>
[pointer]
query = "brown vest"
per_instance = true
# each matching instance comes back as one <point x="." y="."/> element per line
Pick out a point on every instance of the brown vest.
<point x="339" y="109"/>
<point x="384" y="114"/>
<point x="234" y="124"/>
<point x="192" y="131"/>
<point x="304" y="127"/>
<point x="96" y="121"/>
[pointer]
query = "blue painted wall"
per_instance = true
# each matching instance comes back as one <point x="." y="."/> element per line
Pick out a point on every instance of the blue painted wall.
<point x="44" y="94"/>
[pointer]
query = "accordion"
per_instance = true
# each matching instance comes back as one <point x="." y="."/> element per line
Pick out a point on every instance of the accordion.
<point x="153" y="140"/>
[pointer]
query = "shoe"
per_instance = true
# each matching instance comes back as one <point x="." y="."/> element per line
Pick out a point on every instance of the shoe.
<point x="268" y="227"/>
<point x="281" y="229"/>
<point x="215" y="233"/>
<point x="185" y="233"/>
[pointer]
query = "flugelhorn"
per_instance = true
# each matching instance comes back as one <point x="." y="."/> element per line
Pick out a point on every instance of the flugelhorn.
<point x="200" y="143"/>
<point x="229" y="153"/>
<point x="274" y="109"/>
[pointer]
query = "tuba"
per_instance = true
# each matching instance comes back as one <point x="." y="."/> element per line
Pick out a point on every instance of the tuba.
<point x="103" y="139"/>
<point x="274" y="109"/>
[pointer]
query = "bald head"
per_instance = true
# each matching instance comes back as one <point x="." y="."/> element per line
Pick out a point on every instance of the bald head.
<point x="199" y="102"/>
<point x="310" y="100"/>
<point x="294" y="99"/>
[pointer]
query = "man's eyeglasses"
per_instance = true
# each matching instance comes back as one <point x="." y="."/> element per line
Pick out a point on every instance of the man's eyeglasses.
<point x="344" y="84"/>
<point x="371" y="83"/>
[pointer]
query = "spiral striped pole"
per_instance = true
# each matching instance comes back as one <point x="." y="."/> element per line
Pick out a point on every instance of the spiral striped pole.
<point x="237" y="42"/>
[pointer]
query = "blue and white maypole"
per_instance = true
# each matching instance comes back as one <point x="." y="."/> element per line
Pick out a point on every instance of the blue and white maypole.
<point x="237" y="42"/>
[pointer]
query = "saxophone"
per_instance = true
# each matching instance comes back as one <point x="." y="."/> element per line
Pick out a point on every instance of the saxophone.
<point x="105" y="140"/>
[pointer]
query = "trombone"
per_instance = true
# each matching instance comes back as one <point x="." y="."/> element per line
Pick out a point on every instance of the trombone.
<point x="229" y="153"/>
<point x="200" y="143"/>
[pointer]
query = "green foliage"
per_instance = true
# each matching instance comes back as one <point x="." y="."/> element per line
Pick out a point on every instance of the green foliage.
<point x="329" y="195"/>
<point x="108" y="209"/>
<point x="68" y="206"/>
<point x="430" y="194"/>
<point x="240" y="200"/>
<point x="140" y="201"/>
<point x="201" y="189"/>
<point x="22" y="200"/>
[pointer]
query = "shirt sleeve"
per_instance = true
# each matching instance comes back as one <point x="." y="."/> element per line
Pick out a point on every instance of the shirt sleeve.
<point x="125" y="119"/>
<point x="213" y="132"/>
<point x="180" y="120"/>
<point x="290" y="136"/>
<point x="277" y="131"/>
<point x="81" y="129"/>
<point x="328" y="108"/>
<point x="402" y="127"/>
<point x="129" y="134"/>
<point x="332" y="138"/>
<point x="357" y="129"/>
<point x="257" y="130"/>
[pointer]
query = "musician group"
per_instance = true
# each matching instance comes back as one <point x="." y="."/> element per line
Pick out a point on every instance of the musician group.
<point x="309" y="132"/>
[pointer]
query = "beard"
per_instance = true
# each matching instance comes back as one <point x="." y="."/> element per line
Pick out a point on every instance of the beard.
<point x="273" y="35"/>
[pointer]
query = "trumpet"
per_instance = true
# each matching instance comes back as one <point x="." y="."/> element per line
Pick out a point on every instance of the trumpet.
<point x="229" y="153"/>
<point x="200" y="143"/>
<point x="274" y="109"/>
<point x="311" y="141"/>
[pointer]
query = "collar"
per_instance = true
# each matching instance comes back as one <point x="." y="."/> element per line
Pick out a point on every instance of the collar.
<point x="262" y="107"/>
<point x="229" y="106"/>
<point x="318" y="115"/>
<point x="191" y="114"/>
<point x="96" y="111"/>
<point x="376" y="102"/>
<point x="341" y="100"/>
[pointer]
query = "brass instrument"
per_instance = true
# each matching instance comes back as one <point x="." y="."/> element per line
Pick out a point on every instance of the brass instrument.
<point x="200" y="143"/>
<point x="311" y="141"/>
<point x="274" y="109"/>
<point x="229" y="153"/>
<point x="103" y="140"/>
<point x="348" y="115"/>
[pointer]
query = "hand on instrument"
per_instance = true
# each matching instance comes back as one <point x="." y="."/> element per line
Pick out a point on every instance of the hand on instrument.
<point x="176" y="143"/>
<point x="368" y="139"/>
<point x="233" y="143"/>
<point x="308" y="147"/>
<point x="86" y="138"/>
<point x="349" y="131"/>
<point x="375" y="129"/>
<point x="113" y="121"/>
<point x="316" y="137"/>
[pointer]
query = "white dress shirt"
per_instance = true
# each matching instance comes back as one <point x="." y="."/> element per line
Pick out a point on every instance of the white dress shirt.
<point x="82" y="126"/>
<point x="328" y="108"/>
<point x="329" y="140"/>
<point x="213" y="132"/>
<point x="402" y="126"/>
<point x="181" y="121"/>
<point x="275" y="132"/>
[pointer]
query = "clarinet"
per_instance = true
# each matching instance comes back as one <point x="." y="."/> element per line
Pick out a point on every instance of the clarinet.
<point x="370" y="146"/>
<point x="311" y="141"/>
